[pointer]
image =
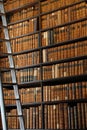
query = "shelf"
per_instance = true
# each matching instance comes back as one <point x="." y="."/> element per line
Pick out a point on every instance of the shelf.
<point x="34" y="3"/>
<point x="47" y="63"/>
<point x="56" y="81"/>
<point x="41" y="14"/>
<point x="19" y="68"/>
<point x="54" y="62"/>
<point x="30" y="84"/>
<point x="64" y="24"/>
<point x="65" y="80"/>
<point x="43" y="30"/>
<point x="13" y="116"/>
<point x="69" y="102"/>
<point x="26" y="67"/>
<point x="6" y="69"/>
<point x="23" y="105"/>
<point x="35" y="79"/>
<point x="10" y="107"/>
<point x="26" y="51"/>
<point x="65" y="60"/>
<point x="45" y="47"/>
<point x="28" y="34"/>
<point x="8" y="86"/>
<point x="61" y="8"/>
<point x="22" y="7"/>
<point x="48" y="82"/>
<point x="4" y="40"/>
<point x="31" y="105"/>
<point x="35" y="104"/>
<point x="3" y="55"/>
<point x="53" y="45"/>
<point x="20" y="21"/>
<point x="51" y="129"/>
<point x="65" y="42"/>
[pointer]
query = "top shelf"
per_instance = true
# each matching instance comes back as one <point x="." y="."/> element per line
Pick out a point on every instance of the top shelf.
<point x="22" y="7"/>
<point x="37" y="2"/>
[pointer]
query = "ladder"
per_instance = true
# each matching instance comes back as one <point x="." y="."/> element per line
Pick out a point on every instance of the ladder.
<point x="13" y="76"/>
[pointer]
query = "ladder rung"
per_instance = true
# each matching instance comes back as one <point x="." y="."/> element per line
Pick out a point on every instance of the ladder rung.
<point x="5" y="53"/>
<point x="2" y="55"/>
<point x="1" y="1"/>
<point x="3" y="26"/>
<point x="1" y="14"/>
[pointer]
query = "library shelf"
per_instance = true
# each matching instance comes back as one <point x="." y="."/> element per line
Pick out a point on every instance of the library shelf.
<point x="52" y="84"/>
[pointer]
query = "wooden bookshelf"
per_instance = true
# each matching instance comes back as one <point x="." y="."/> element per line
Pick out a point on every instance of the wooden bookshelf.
<point x="49" y="43"/>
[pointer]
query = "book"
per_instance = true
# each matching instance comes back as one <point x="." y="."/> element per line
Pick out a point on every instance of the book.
<point x="44" y="6"/>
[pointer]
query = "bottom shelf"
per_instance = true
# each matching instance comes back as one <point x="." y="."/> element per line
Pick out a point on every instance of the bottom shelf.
<point x="61" y="116"/>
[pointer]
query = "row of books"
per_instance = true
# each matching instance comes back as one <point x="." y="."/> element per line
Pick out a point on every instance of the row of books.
<point x="64" y="116"/>
<point x="58" y="17"/>
<point x="3" y="48"/>
<point x="1" y="32"/>
<point x="25" y="75"/>
<point x="28" y="95"/>
<point x="27" y="59"/>
<point x="50" y="54"/>
<point x="70" y="91"/>
<point x="22" y="44"/>
<point x="6" y="77"/>
<point x="45" y="5"/>
<point x="49" y="20"/>
<point x="28" y="75"/>
<point x="64" y="69"/>
<point x="78" y="11"/>
<point x="48" y="37"/>
<point x="65" y="51"/>
<point x="25" y="43"/>
<point x="22" y="60"/>
<point x="57" y="116"/>
<point x="32" y="118"/>
<point x="4" y="63"/>
<point x="48" y="5"/>
<point x="23" y="14"/>
<point x="12" y="4"/>
<point x="56" y="35"/>
<point x="65" y="33"/>
<point x="9" y="97"/>
<point x="49" y="72"/>
<point x="12" y="119"/>
<point x="64" y="16"/>
<point x="23" y="28"/>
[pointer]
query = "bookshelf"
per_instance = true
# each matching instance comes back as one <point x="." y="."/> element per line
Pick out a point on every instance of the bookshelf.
<point x="49" y="43"/>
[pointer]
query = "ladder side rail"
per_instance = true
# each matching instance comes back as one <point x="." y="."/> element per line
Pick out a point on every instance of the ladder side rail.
<point x="2" y="107"/>
<point x="13" y="73"/>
